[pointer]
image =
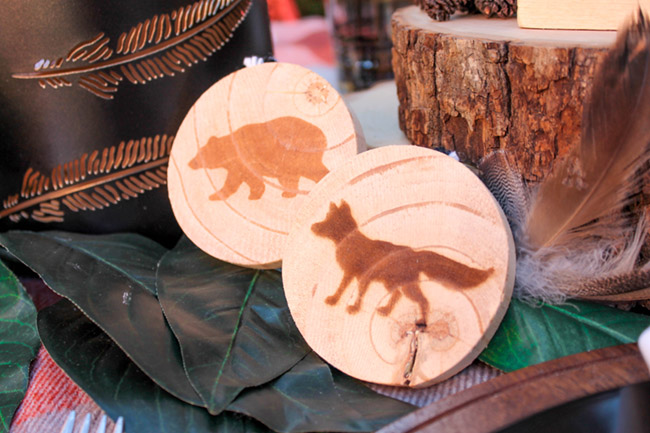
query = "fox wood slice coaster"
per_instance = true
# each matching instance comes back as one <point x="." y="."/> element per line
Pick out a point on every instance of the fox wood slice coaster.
<point x="400" y="267"/>
<point x="248" y="152"/>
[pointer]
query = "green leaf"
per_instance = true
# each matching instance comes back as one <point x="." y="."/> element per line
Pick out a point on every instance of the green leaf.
<point x="111" y="278"/>
<point x="531" y="334"/>
<point x="19" y="343"/>
<point x="117" y="385"/>
<point x="313" y="397"/>
<point x="233" y="323"/>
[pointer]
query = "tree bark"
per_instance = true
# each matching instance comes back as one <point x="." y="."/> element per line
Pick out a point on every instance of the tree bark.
<point x="474" y="85"/>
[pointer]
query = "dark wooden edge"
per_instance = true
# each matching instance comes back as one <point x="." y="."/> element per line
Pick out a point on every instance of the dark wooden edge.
<point x="512" y="397"/>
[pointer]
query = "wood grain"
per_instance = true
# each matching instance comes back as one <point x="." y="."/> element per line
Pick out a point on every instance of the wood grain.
<point x="247" y="154"/>
<point x="576" y="14"/>
<point x="474" y="85"/>
<point x="507" y="399"/>
<point x="400" y="267"/>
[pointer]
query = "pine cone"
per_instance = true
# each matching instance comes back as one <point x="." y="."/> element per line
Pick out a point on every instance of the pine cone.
<point x="441" y="10"/>
<point x="497" y="8"/>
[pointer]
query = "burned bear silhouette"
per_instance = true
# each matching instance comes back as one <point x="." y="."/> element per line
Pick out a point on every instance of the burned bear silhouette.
<point x="286" y="148"/>
<point x="397" y="267"/>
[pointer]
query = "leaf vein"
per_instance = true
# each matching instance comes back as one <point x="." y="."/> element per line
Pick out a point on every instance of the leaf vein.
<point x="226" y="357"/>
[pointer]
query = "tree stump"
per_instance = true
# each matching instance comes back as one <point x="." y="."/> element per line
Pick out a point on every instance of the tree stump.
<point x="474" y="84"/>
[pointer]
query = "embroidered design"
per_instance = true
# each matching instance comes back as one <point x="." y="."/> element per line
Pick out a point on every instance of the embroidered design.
<point x="159" y="47"/>
<point x="94" y="181"/>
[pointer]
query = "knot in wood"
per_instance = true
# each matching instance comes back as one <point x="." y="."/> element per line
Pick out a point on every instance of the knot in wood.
<point x="317" y="93"/>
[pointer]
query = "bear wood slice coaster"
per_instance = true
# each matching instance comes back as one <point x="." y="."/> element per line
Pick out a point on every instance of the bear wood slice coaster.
<point x="400" y="267"/>
<point x="248" y="152"/>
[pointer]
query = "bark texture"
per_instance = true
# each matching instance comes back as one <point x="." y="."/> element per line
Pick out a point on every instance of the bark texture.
<point x="475" y="95"/>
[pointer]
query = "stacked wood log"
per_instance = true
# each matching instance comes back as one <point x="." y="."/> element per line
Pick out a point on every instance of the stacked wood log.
<point x="474" y="85"/>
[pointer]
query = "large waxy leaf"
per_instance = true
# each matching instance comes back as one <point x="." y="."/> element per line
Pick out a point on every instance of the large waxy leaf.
<point x="532" y="334"/>
<point x="313" y="397"/>
<point x="233" y="323"/>
<point x="117" y="385"/>
<point x="111" y="278"/>
<point x="19" y="343"/>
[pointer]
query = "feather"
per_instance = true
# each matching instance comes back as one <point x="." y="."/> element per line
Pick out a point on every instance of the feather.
<point x="601" y="173"/>
<point x="91" y="182"/>
<point x="591" y="267"/>
<point x="506" y="184"/>
<point x="575" y="239"/>
<point x="159" y="47"/>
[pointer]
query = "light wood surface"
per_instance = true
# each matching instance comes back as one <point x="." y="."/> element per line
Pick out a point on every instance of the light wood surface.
<point x="475" y="84"/>
<point x="577" y="14"/>
<point x="400" y="267"/>
<point x="507" y="399"/>
<point x="247" y="154"/>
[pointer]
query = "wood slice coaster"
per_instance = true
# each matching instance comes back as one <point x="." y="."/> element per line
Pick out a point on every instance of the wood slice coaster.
<point x="475" y="84"/>
<point x="248" y="152"/>
<point x="400" y="267"/>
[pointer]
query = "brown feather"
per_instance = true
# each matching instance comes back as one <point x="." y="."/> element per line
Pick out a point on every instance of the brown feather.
<point x="506" y="184"/>
<point x="627" y="287"/>
<point x="602" y="172"/>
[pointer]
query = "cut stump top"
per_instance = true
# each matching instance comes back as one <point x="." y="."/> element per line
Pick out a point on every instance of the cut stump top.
<point x="481" y="27"/>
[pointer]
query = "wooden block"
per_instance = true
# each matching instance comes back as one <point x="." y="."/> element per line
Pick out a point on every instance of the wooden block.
<point x="247" y="154"/>
<point x="400" y="267"/>
<point x="576" y="14"/>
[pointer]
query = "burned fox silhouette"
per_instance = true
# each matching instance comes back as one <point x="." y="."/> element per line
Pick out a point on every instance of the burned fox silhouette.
<point x="286" y="148"/>
<point x="397" y="267"/>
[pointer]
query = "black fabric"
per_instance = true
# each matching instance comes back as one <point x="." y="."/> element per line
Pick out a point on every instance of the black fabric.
<point x="41" y="128"/>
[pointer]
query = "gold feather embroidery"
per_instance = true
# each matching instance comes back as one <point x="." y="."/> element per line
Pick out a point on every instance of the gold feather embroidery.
<point x="575" y="239"/>
<point x="159" y="47"/>
<point x="93" y="181"/>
